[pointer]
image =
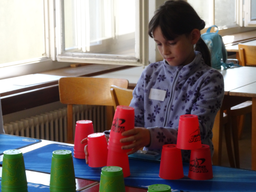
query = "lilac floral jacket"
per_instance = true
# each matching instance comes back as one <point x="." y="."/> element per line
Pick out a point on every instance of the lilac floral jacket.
<point x="164" y="92"/>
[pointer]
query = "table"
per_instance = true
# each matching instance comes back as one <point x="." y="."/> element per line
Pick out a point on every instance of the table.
<point x="143" y="174"/>
<point x="39" y="181"/>
<point x="232" y="82"/>
<point x="234" y="48"/>
<point x="249" y="91"/>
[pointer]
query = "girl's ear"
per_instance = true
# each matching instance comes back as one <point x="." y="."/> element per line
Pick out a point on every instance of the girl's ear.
<point x="195" y="36"/>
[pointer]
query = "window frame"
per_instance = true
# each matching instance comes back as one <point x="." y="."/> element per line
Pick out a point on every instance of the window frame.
<point x="247" y="14"/>
<point x="50" y="62"/>
<point x="141" y="37"/>
<point x="240" y="28"/>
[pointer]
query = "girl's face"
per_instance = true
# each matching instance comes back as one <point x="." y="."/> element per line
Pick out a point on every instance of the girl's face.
<point x="179" y="51"/>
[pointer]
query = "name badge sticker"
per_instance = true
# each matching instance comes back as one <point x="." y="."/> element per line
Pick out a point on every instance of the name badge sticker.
<point x="157" y="94"/>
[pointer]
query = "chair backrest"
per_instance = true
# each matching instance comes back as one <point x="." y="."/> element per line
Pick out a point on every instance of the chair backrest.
<point x="121" y="96"/>
<point x="247" y="55"/>
<point x="86" y="91"/>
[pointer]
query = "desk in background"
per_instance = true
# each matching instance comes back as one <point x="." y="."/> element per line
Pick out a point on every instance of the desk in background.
<point x="131" y="74"/>
<point x="234" y="48"/>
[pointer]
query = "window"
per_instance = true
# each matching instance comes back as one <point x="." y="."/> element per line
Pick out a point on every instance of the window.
<point x="48" y="34"/>
<point x="250" y="13"/>
<point x="22" y="31"/>
<point x="102" y="31"/>
<point x="216" y="12"/>
<point x="229" y="14"/>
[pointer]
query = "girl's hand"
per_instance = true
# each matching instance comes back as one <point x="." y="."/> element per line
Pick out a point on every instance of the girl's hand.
<point x="139" y="136"/>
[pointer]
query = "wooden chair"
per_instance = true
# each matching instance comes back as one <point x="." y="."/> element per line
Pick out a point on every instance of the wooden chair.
<point x="236" y="114"/>
<point x="86" y="91"/>
<point x="235" y="125"/>
<point x="121" y="96"/>
<point x="247" y="55"/>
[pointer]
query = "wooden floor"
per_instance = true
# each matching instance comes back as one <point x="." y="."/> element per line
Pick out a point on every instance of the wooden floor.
<point x="244" y="147"/>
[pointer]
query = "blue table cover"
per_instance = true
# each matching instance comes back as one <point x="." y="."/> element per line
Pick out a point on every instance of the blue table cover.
<point x="15" y="142"/>
<point x="145" y="173"/>
<point x="33" y="187"/>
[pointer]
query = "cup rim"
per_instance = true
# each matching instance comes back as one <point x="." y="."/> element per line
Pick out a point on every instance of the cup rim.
<point x="81" y="122"/>
<point x="112" y="171"/>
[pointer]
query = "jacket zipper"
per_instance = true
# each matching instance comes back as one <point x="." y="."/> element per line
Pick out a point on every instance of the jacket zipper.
<point x="171" y="99"/>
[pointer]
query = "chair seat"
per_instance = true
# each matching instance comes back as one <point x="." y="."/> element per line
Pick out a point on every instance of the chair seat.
<point x="241" y="106"/>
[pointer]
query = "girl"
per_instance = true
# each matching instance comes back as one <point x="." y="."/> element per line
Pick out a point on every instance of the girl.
<point x="183" y="83"/>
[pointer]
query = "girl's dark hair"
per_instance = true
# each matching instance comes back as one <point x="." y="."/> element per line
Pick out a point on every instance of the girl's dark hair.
<point x="177" y="17"/>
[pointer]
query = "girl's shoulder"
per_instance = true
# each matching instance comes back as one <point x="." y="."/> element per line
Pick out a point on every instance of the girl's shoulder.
<point x="209" y="74"/>
<point x="213" y="72"/>
<point x="155" y="67"/>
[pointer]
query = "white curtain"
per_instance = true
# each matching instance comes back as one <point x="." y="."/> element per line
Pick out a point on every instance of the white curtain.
<point x="92" y="15"/>
<point x="82" y="24"/>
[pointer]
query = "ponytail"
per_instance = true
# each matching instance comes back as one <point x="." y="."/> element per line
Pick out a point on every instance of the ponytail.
<point x="202" y="47"/>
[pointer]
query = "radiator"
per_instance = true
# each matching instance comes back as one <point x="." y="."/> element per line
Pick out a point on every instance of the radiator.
<point x="53" y="125"/>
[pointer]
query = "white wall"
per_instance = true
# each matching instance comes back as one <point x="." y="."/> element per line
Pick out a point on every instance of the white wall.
<point x="153" y="52"/>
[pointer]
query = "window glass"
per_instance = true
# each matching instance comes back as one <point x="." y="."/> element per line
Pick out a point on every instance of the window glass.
<point x="100" y="26"/>
<point x="203" y="9"/>
<point x="224" y="16"/>
<point x="225" y="13"/>
<point x="22" y="30"/>
<point x="253" y="10"/>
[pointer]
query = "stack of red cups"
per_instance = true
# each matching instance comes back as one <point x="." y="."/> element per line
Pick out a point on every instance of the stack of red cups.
<point x="123" y="121"/>
<point x="200" y="166"/>
<point x="83" y="129"/>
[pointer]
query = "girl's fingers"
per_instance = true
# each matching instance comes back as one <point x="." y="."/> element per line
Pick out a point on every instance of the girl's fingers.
<point x="128" y="139"/>
<point x="131" y="146"/>
<point x="129" y="132"/>
<point x="136" y="145"/>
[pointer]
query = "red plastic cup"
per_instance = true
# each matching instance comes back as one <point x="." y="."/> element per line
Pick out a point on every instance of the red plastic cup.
<point x="200" y="166"/>
<point x="189" y="133"/>
<point x="123" y="121"/>
<point x="171" y="166"/>
<point x="119" y="159"/>
<point x="97" y="150"/>
<point x="83" y="129"/>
